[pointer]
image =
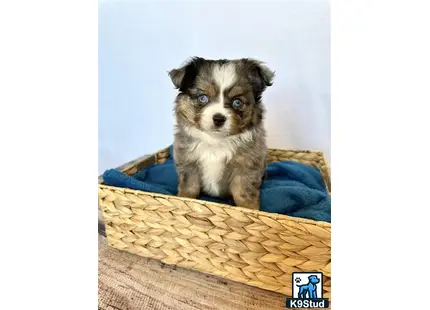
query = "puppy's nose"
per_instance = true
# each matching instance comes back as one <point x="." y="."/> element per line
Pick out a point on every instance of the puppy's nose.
<point x="219" y="119"/>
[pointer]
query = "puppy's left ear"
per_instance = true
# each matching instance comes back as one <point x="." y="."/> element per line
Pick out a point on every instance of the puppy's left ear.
<point x="265" y="73"/>
<point x="259" y="72"/>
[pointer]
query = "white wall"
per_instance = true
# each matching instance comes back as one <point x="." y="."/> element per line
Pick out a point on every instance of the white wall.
<point x="139" y="41"/>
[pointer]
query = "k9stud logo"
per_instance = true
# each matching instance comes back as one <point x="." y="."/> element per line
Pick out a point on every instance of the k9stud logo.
<point x="307" y="291"/>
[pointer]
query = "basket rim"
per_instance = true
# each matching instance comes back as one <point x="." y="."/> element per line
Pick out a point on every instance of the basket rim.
<point x="274" y="216"/>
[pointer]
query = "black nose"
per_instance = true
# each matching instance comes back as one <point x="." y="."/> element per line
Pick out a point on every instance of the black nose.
<point x="219" y="119"/>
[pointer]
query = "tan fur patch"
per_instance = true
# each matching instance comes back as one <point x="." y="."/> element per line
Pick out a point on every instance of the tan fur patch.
<point x="209" y="88"/>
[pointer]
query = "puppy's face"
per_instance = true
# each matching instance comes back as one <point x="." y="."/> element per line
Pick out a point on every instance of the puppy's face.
<point x="221" y="97"/>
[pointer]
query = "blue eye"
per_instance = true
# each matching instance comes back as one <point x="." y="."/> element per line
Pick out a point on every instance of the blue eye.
<point x="236" y="103"/>
<point x="203" y="99"/>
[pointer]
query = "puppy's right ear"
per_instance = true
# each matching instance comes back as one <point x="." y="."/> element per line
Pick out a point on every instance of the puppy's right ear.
<point x="177" y="75"/>
<point x="183" y="77"/>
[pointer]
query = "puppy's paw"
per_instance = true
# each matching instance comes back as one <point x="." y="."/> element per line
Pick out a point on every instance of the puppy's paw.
<point x="182" y="192"/>
<point x="253" y="205"/>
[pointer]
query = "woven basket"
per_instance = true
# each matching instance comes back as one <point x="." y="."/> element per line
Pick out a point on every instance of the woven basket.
<point x="252" y="247"/>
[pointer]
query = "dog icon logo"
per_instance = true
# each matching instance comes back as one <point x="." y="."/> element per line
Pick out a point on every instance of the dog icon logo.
<point x="307" y="291"/>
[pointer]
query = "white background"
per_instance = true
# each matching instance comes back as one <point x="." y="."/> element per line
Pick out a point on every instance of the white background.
<point x="139" y="41"/>
<point x="48" y="133"/>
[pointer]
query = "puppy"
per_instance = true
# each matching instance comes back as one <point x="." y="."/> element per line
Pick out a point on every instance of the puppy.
<point x="220" y="142"/>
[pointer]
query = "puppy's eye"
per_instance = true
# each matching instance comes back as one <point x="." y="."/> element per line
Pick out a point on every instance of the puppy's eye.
<point x="236" y="103"/>
<point x="203" y="99"/>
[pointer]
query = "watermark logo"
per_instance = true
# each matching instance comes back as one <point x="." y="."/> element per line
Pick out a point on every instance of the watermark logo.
<point x="307" y="291"/>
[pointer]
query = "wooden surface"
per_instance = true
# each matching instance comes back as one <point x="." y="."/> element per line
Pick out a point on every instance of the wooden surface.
<point x="128" y="281"/>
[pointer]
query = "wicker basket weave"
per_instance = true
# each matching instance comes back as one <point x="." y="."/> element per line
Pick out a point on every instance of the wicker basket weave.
<point x="252" y="247"/>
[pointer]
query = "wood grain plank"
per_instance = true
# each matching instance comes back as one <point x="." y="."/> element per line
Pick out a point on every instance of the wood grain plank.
<point x="128" y="281"/>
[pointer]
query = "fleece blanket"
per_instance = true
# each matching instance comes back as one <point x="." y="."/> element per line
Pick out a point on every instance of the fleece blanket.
<point x="290" y="188"/>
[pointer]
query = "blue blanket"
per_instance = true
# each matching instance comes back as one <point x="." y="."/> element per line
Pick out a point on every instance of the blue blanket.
<point x="290" y="188"/>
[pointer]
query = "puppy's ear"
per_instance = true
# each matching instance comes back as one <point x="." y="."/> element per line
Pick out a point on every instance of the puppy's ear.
<point x="259" y="72"/>
<point x="260" y="76"/>
<point x="176" y="75"/>
<point x="184" y="76"/>
<point x="266" y="74"/>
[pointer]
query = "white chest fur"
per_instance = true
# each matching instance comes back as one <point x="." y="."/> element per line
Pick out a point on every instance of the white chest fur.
<point x="212" y="155"/>
<point x="212" y="159"/>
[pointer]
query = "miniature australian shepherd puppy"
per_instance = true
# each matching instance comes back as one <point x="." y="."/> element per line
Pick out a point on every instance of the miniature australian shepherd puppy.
<point x="220" y="142"/>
